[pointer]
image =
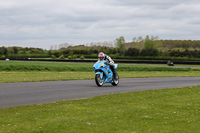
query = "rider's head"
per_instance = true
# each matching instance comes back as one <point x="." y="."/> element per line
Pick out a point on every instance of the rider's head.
<point x="101" y="56"/>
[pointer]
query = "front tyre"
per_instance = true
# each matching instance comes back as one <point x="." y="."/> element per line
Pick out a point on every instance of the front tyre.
<point x="116" y="80"/>
<point x="98" y="80"/>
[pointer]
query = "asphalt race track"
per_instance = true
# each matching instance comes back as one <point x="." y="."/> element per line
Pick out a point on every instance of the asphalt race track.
<point x="16" y="94"/>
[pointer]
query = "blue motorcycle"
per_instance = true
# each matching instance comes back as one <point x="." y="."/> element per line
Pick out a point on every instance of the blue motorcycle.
<point x="103" y="73"/>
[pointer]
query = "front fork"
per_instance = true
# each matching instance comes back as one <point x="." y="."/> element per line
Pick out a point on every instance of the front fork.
<point x="101" y="74"/>
<point x="101" y="77"/>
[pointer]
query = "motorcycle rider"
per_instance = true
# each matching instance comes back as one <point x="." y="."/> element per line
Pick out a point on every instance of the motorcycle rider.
<point x="103" y="56"/>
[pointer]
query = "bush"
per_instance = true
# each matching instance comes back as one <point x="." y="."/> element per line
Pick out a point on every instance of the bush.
<point x="62" y="57"/>
<point x="69" y="57"/>
<point x="53" y="56"/>
<point x="82" y="57"/>
<point x="74" y="57"/>
<point x="3" y="57"/>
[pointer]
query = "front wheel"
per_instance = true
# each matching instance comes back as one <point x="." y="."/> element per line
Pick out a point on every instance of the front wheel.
<point x="98" y="80"/>
<point x="116" y="80"/>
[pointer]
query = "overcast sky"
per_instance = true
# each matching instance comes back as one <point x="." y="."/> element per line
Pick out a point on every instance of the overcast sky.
<point x="42" y="23"/>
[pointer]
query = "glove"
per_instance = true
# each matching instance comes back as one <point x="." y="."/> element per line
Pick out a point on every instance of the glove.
<point x="106" y="63"/>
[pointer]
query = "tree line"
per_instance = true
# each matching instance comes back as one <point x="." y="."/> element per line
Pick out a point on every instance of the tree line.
<point x="20" y="52"/>
<point x="150" y="46"/>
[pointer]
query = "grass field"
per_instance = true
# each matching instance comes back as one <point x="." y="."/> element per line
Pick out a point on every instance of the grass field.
<point x="174" y="110"/>
<point x="19" y="71"/>
<point x="13" y="77"/>
<point x="77" y="67"/>
<point x="157" y="111"/>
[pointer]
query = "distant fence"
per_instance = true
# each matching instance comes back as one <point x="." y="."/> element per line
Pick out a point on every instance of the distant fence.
<point x="117" y="61"/>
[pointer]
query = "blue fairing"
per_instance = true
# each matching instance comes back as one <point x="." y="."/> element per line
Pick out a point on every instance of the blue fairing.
<point x="115" y="66"/>
<point x="100" y="67"/>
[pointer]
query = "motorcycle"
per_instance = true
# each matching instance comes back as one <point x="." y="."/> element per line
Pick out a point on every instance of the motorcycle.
<point x="103" y="73"/>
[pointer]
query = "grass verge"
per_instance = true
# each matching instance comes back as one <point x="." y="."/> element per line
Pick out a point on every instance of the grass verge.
<point x="76" y="67"/>
<point x="26" y="71"/>
<point x="13" y="77"/>
<point x="167" y="110"/>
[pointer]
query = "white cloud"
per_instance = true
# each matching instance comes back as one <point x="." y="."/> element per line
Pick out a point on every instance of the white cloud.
<point x="40" y="23"/>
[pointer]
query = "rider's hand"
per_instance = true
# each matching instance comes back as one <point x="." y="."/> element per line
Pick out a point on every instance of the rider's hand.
<point x="106" y="63"/>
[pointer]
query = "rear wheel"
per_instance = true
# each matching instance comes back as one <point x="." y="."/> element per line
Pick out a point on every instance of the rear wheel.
<point x="116" y="79"/>
<point x="98" y="80"/>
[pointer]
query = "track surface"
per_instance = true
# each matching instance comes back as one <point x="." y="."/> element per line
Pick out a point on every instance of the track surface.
<point x="16" y="94"/>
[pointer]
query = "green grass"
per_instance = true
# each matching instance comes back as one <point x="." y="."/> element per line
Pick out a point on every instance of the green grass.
<point x="77" y="67"/>
<point x="43" y="66"/>
<point x="157" y="111"/>
<point x="168" y="110"/>
<point x="20" y="71"/>
<point x="13" y="77"/>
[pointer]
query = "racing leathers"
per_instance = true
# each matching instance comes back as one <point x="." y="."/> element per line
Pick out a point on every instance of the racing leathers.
<point x="111" y="63"/>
